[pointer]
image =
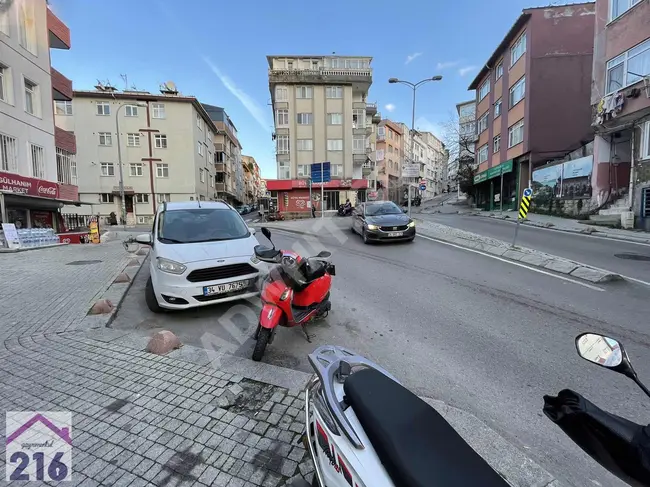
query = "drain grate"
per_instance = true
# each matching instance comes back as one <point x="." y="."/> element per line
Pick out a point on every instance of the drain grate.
<point x="641" y="257"/>
<point x="84" y="262"/>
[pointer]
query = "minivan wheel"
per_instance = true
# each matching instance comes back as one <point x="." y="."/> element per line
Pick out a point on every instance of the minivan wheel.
<point x="150" y="298"/>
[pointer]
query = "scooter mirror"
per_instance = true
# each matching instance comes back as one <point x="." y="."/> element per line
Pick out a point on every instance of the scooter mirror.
<point x="600" y="350"/>
<point x="267" y="233"/>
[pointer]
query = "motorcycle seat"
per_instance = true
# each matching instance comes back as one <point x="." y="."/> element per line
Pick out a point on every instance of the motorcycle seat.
<point x="415" y="444"/>
<point x="314" y="269"/>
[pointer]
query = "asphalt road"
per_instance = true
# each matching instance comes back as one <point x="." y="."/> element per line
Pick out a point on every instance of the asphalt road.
<point x="596" y="251"/>
<point x="478" y="333"/>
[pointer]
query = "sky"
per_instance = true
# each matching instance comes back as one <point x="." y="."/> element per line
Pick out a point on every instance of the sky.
<point x="216" y="51"/>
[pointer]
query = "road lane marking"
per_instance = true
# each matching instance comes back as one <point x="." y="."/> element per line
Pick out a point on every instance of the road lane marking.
<point x="518" y="264"/>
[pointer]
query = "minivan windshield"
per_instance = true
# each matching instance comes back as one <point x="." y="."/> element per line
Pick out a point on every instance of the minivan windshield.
<point x="200" y="225"/>
<point x="383" y="208"/>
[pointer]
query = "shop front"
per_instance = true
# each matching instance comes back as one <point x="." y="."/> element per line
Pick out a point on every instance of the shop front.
<point x="496" y="187"/>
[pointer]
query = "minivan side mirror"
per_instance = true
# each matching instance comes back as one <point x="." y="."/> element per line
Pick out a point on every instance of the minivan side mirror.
<point x="144" y="239"/>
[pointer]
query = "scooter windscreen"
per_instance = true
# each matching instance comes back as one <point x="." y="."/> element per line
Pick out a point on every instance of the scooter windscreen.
<point x="619" y="445"/>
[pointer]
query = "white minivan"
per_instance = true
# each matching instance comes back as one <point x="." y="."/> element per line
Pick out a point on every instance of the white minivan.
<point x="201" y="254"/>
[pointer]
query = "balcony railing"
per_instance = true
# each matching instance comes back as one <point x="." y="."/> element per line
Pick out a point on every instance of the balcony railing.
<point x="320" y="75"/>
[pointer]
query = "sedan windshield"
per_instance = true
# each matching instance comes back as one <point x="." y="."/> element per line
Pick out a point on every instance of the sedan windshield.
<point x="384" y="208"/>
<point x="200" y="225"/>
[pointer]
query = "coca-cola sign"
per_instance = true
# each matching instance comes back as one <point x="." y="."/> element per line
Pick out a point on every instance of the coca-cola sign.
<point x="15" y="183"/>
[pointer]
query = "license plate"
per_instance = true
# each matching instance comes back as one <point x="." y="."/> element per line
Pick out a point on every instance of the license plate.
<point x="395" y="234"/>
<point x="224" y="288"/>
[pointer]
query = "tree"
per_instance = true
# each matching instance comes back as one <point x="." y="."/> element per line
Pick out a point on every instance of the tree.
<point x="465" y="175"/>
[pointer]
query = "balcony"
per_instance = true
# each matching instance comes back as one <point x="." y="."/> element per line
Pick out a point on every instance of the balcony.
<point x="367" y="168"/>
<point x="371" y="109"/>
<point x="61" y="86"/>
<point x="359" y="156"/>
<point x="220" y="167"/>
<point x="220" y="186"/>
<point x="59" y="33"/>
<point x="321" y="76"/>
<point x="65" y="140"/>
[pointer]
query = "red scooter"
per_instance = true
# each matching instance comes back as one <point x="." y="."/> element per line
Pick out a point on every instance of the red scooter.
<point x="296" y="291"/>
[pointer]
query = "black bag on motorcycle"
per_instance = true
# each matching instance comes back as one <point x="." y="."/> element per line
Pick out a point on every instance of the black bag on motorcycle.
<point x="619" y="445"/>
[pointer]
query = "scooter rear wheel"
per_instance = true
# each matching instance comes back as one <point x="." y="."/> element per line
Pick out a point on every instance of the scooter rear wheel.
<point x="263" y="338"/>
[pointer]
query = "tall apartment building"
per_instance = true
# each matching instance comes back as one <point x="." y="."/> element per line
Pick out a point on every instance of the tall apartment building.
<point x="230" y="184"/>
<point x="248" y="164"/>
<point x="466" y="140"/>
<point x="321" y="114"/>
<point x="532" y="99"/>
<point x="37" y="158"/>
<point x="390" y="157"/>
<point x="620" y="100"/>
<point x="165" y="143"/>
<point x="432" y="156"/>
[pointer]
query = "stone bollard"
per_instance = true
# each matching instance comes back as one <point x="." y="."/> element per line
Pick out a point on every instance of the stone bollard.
<point x="142" y="251"/>
<point x="163" y="342"/>
<point x="101" y="307"/>
<point x="123" y="277"/>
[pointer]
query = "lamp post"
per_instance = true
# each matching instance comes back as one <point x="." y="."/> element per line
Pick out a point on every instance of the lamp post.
<point x="119" y="159"/>
<point x="414" y="87"/>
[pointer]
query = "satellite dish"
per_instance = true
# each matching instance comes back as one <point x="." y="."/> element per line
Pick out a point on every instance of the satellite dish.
<point x="171" y="86"/>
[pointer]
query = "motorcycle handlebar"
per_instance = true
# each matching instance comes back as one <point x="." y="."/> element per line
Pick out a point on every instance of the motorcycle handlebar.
<point x="619" y="445"/>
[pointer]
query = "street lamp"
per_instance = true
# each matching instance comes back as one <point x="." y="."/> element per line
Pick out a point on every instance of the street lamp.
<point x="119" y="158"/>
<point x="414" y="87"/>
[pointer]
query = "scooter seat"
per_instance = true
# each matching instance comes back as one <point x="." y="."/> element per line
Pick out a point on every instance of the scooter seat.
<point x="415" y="444"/>
<point x="314" y="269"/>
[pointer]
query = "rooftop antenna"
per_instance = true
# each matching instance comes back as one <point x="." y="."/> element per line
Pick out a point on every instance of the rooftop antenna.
<point x="125" y="78"/>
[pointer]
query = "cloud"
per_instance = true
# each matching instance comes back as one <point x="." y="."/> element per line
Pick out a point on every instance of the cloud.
<point x="423" y="124"/>
<point x="412" y="57"/>
<point x="466" y="69"/>
<point x="389" y="107"/>
<point x="448" y="64"/>
<point x="244" y="98"/>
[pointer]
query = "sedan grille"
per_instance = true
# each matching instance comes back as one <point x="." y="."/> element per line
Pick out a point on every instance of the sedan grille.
<point x="221" y="272"/>
<point x="397" y="228"/>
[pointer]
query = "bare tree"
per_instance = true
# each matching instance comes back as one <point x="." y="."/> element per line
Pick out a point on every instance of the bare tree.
<point x="459" y="138"/>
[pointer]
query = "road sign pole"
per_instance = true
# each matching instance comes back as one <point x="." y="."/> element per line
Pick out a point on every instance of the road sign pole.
<point x="311" y="200"/>
<point x="514" y="241"/>
<point x="501" y="194"/>
<point x="523" y="210"/>
<point x="322" y="190"/>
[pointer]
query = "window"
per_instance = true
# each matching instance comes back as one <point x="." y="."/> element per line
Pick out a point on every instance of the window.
<point x="133" y="140"/>
<point x="105" y="138"/>
<point x="381" y="132"/>
<point x="199" y="148"/>
<point x="199" y="122"/>
<point x="142" y="198"/>
<point x="8" y="154"/>
<point x="645" y="141"/>
<point x="62" y="107"/>
<point x="518" y="49"/>
<point x="304" y="91"/>
<point x="358" y="118"/>
<point x="619" y="7"/>
<point x="517" y="92"/>
<point x="484" y="90"/>
<point x="281" y="93"/>
<point x="304" y="170"/>
<point x="26" y="27"/>
<point x="628" y="68"/>
<point x="160" y="141"/>
<point x="157" y="110"/>
<point x="163" y="197"/>
<point x="4" y="22"/>
<point x="103" y="108"/>
<point x="282" y="118"/>
<point x="162" y="170"/>
<point x="201" y="176"/>
<point x="305" y="144"/>
<point x="359" y="144"/>
<point x="31" y="97"/>
<point x="303" y="118"/>
<point x="483" y="122"/>
<point x="497" y="144"/>
<point x="284" y="170"/>
<point x="467" y="111"/>
<point x="497" y="108"/>
<point x="107" y="169"/>
<point x="334" y="92"/>
<point x="499" y="70"/>
<point x="4" y="82"/>
<point x="334" y="144"/>
<point x="516" y="134"/>
<point x="336" y="170"/>
<point x="335" y="119"/>
<point x="106" y="198"/>
<point x="282" y="144"/>
<point x="131" y="111"/>
<point x="136" y="169"/>
<point x="482" y="153"/>
<point x="467" y="128"/>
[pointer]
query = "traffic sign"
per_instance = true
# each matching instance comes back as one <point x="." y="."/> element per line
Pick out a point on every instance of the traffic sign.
<point x="423" y="187"/>
<point x="525" y="203"/>
<point x="320" y="172"/>
<point x="528" y="192"/>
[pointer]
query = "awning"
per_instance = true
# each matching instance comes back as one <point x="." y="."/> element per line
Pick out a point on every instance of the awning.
<point x="493" y="172"/>
<point x="29" y="201"/>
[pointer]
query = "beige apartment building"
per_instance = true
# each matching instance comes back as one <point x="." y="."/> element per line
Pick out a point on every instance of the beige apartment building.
<point x="433" y="156"/>
<point x="165" y="143"/>
<point x="321" y="114"/>
<point x="390" y="156"/>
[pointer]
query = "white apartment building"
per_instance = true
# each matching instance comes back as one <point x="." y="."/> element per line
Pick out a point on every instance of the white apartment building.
<point x="321" y="114"/>
<point x="433" y="163"/>
<point x="165" y="143"/>
<point x="466" y="138"/>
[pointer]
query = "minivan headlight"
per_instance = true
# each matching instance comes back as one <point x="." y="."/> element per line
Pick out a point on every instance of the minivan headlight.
<point x="170" y="266"/>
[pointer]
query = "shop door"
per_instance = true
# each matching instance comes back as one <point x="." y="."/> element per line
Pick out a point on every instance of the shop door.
<point x="128" y="203"/>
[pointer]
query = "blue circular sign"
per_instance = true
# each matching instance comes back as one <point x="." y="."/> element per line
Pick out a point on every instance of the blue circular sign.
<point x="528" y="192"/>
<point x="423" y="187"/>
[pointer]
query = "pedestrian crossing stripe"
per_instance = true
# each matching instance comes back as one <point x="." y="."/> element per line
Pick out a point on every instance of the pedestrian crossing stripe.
<point x="524" y="206"/>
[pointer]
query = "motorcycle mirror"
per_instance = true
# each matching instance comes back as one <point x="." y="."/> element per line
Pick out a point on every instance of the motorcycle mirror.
<point x="609" y="353"/>
<point x="267" y="233"/>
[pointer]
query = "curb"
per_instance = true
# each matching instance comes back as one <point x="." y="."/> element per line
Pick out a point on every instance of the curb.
<point x="125" y="289"/>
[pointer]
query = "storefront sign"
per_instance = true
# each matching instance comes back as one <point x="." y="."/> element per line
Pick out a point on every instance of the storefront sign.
<point x="493" y="172"/>
<point x="288" y="184"/>
<point x="28" y="186"/>
<point x="480" y="177"/>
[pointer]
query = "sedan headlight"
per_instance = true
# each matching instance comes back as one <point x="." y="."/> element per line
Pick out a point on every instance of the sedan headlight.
<point x="170" y="266"/>
<point x="373" y="227"/>
<point x="411" y="224"/>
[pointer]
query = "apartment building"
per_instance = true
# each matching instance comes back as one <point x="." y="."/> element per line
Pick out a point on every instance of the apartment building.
<point x="532" y="99"/>
<point x="230" y="184"/>
<point x="248" y="165"/>
<point x="164" y="142"/>
<point x="37" y="158"/>
<point x="432" y="155"/>
<point x="620" y="100"/>
<point x="390" y="157"/>
<point x="465" y="135"/>
<point x="321" y="114"/>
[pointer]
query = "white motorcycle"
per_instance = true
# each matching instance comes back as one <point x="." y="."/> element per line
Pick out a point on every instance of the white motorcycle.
<point x="364" y="429"/>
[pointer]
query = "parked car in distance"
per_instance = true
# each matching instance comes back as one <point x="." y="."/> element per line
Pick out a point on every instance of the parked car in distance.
<point x="382" y="221"/>
<point x="202" y="253"/>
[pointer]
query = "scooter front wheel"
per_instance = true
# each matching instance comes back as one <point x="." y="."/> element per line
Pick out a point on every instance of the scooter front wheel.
<point x="263" y="337"/>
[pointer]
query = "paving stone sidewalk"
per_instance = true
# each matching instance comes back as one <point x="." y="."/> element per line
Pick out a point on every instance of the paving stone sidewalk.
<point x="141" y="419"/>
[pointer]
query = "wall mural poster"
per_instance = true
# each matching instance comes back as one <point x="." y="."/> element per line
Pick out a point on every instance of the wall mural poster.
<point x="569" y="180"/>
